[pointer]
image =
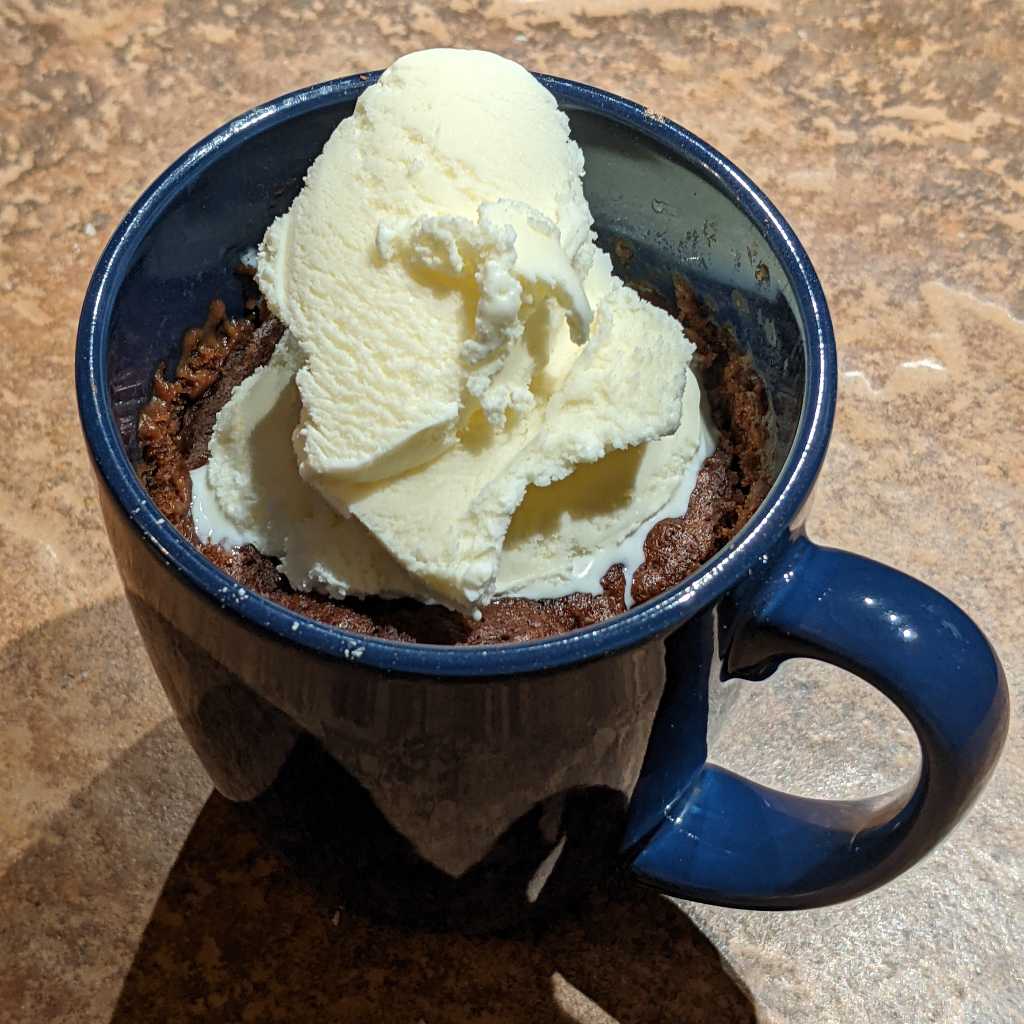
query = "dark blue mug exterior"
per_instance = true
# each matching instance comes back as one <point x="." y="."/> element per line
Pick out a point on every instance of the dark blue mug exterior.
<point x="475" y="786"/>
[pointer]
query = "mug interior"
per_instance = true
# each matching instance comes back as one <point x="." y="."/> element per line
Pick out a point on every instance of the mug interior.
<point x="678" y="205"/>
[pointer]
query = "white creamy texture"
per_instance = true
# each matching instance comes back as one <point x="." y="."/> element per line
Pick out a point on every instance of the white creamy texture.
<point x="458" y="353"/>
<point x="250" y="492"/>
<point x="565" y="537"/>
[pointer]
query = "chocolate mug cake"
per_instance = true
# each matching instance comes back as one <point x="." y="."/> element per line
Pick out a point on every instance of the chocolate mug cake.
<point x="174" y="433"/>
<point x="444" y="418"/>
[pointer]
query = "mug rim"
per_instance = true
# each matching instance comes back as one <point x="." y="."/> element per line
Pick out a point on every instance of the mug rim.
<point x="636" y="625"/>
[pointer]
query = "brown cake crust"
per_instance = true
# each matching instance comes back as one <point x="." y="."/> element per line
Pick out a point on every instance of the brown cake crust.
<point x="174" y="433"/>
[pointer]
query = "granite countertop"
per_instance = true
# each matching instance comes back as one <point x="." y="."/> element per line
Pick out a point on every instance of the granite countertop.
<point x="892" y="137"/>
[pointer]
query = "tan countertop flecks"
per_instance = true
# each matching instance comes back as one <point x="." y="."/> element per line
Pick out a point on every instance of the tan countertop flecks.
<point x="891" y="136"/>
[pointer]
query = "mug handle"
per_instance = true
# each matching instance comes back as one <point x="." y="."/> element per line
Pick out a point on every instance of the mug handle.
<point x="732" y="842"/>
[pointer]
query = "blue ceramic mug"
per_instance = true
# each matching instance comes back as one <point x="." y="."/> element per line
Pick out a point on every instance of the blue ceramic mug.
<point x="478" y="785"/>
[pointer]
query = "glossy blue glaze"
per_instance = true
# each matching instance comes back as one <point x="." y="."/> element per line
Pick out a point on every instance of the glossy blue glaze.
<point x="479" y="785"/>
<point x="732" y="842"/>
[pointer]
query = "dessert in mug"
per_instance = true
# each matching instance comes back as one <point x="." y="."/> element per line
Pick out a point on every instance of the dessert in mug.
<point x="444" y="418"/>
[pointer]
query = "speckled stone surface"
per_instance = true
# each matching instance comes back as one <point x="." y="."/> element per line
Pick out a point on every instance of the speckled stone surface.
<point x="892" y="136"/>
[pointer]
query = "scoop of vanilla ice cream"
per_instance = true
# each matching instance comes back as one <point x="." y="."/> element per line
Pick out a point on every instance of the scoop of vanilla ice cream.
<point x="456" y="344"/>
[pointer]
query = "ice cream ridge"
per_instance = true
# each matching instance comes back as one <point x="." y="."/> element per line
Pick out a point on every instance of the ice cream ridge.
<point x="467" y="404"/>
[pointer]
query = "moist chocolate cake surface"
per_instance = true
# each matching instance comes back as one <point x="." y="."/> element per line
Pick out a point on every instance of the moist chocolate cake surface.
<point x="174" y="433"/>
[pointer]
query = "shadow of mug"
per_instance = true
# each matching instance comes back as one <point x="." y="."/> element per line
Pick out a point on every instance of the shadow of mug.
<point x="238" y="934"/>
<point x="146" y="899"/>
